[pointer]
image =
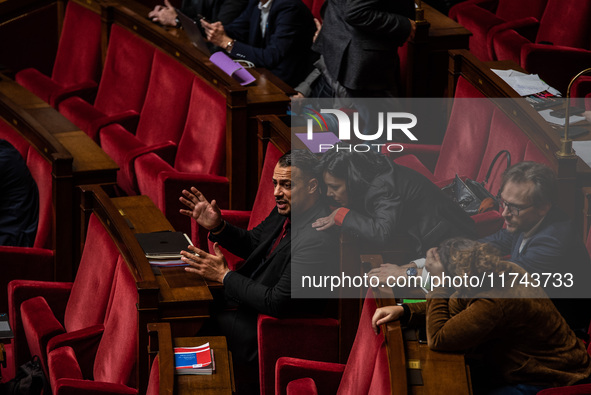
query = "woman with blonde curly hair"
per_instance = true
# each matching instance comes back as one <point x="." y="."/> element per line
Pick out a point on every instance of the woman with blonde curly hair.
<point x="523" y="342"/>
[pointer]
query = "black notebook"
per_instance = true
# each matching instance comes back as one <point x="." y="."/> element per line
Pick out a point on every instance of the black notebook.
<point x="163" y="245"/>
<point x="5" y="331"/>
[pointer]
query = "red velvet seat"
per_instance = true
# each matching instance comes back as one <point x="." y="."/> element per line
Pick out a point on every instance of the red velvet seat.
<point x="77" y="65"/>
<point x="161" y="121"/>
<point x="122" y="89"/>
<point x="556" y="46"/>
<point x="199" y="161"/>
<point x="42" y="311"/>
<point x="102" y="359"/>
<point x="310" y="338"/>
<point x="366" y="371"/>
<point x="481" y="16"/>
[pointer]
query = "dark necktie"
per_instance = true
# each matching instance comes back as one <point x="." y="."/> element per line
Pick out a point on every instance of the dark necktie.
<point x="262" y="265"/>
<point x="284" y="230"/>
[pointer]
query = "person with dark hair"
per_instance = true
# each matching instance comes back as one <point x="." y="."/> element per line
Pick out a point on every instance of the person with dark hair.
<point x="19" y="201"/>
<point x="523" y="343"/>
<point x="263" y="283"/>
<point x="380" y="199"/>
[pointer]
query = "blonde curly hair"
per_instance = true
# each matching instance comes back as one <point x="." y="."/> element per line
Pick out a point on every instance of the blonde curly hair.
<point x="461" y="256"/>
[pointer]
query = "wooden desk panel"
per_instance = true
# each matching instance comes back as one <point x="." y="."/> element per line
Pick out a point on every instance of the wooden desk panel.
<point x="91" y="164"/>
<point x="20" y="95"/>
<point x="142" y="213"/>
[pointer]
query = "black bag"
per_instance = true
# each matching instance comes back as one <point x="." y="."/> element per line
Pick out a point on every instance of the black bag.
<point x="472" y="196"/>
<point x="29" y="380"/>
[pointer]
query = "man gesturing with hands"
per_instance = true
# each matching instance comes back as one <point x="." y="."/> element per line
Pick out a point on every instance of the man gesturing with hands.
<point x="263" y="284"/>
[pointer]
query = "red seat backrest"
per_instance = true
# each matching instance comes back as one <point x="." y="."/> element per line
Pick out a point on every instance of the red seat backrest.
<point x="40" y="169"/>
<point x="314" y="6"/>
<point x="164" y="112"/>
<point x="566" y="22"/>
<point x="202" y="148"/>
<point x="512" y="10"/>
<point x="265" y="200"/>
<point x="78" y="57"/>
<point x="93" y="282"/>
<point x="504" y="135"/>
<point x="466" y="135"/>
<point x="116" y="356"/>
<point x="533" y="153"/>
<point x="367" y="370"/>
<point x="126" y="73"/>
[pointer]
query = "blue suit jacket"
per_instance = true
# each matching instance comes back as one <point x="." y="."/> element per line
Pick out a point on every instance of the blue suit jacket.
<point x="556" y="246"/>
<point x="286" y="48"/>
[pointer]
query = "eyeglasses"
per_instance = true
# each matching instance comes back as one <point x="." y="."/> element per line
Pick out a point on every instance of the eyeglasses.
<point x="512" y="208"/>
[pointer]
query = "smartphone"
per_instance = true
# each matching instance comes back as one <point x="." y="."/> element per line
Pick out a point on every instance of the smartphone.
<point x="201" y="17"/>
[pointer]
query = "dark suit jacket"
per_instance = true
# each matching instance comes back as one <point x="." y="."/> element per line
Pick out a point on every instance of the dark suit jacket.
<point x="19" y="200"/>
<point x="263" y="285"/>
<point x="555" y="248"/>
<point x="360" y="38"/>
<point x="285" y="49"/>
<point x="224" y="11"/>
<point x="402" y="201"/>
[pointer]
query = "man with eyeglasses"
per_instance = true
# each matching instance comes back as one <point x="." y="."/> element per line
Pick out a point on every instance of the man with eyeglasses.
<point x="541" y="238"/>
<point x="538" y="236"/>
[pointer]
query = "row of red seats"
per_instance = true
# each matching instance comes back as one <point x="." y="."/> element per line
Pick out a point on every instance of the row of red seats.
<point x="160" y="122"/>
<point x="546" y="37"/>
<point x="84" y="332"/>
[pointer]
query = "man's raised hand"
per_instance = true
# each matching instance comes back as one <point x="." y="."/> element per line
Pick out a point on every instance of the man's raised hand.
<point x="205" y="213"/>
